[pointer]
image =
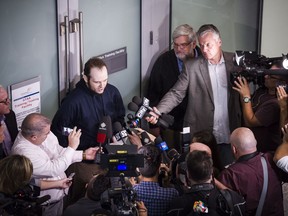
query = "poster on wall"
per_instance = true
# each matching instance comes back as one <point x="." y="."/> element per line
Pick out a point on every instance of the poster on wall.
<point x="25" y="98"/>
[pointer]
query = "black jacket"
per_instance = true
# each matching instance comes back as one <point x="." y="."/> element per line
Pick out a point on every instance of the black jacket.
<point x="85" y="109"/>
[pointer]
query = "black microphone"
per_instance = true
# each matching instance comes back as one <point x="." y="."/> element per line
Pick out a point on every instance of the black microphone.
<point x="145" y="139"/>
<point x="145" y="102"/>
<point x="162" y="145"/>
<point x="173" y="154"/>
<point x="119" y="133"/>
<point x="133" y="121"/>
<point x="142" y="111"/>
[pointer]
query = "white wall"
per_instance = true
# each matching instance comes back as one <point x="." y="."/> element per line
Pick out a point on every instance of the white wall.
<point x="274" y="28"/>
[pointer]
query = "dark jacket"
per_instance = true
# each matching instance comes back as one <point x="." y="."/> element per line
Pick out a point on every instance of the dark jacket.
<point x="163" y="76"/>
<point x="11" y="123"/>
<point x="85" y="109"/>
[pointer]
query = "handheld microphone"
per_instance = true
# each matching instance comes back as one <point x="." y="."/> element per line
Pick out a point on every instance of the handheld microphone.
<point x="164" y="120"/>
<point x="162" y="145"/>
<point x="104" y="129"/>
<point x="132" y="121"/>
<point x="145" y="139"/>
<point x="145" y="102"/>
<point x="119" y="133"/>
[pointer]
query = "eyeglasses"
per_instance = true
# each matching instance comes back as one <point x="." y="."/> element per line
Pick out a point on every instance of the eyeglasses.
<point x="181" y="46"/>
<point x="5" y="101"/>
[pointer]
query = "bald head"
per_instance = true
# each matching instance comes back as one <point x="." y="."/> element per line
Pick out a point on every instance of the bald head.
<point x="243" y="140"/>
<point x="200" y="147"/>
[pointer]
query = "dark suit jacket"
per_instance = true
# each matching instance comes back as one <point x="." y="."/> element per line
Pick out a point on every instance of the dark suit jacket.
<point x="11" y="123"/>
<point x="164" y="75"/>
<point x="195" y="81"/>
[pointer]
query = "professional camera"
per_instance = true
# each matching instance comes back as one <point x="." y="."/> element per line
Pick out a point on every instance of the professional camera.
<point x="254" y="66"/>
<point x="121" y="161"/>
<point x="24" y="202"/>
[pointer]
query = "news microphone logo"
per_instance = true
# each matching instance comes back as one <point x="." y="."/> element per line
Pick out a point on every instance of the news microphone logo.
<point x="141" y="112"/>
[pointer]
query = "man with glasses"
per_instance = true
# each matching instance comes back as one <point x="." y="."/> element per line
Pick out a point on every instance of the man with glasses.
<point x="212" y="103"/>
<point x="261" y="112"/>
<point x="164" y="75"/>
<point x="8" y="124"/>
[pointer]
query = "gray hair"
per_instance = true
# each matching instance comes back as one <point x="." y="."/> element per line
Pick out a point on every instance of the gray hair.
<point x="184" y="30"/>
<point x="204" y="29"/>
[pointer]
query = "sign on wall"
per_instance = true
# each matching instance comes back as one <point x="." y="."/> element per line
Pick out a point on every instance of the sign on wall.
<point x="25" y="98"/>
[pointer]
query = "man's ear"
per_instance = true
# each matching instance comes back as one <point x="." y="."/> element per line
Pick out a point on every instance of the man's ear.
<point x="85" y="78"/>
<point x="33" y="137"/>
<point x="234" y="150"/>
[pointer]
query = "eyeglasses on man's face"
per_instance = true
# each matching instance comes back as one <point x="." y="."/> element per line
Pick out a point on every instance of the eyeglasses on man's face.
<point x="182" y="45"/>
<point x="5" y="101"/>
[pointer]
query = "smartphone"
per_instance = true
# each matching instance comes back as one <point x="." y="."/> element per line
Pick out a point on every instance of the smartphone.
<point x="66" y="131"/>
<point x="283" y="84"/>
<point x="71" y="175"/>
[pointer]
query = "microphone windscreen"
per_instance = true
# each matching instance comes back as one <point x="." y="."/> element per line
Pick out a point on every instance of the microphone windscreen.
<point x="130" y="116"/>
<point x="145" y="139"/>
<point x="133" y="107"/>
<point x="117" y="127"/>
<point x="108" y="122"/>
<point x="137" y="100"/>
<point x="101" y="137"/>
<point x="173" y="154"/>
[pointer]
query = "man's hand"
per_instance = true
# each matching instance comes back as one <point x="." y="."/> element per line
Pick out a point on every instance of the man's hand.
<point x="282" y="97"/>
<point x="153" y="118"/>
<point x="241" y="85"/>
<point x="74" y="138"/>
<point x="285" y="133"/>
<point x="91" y="152"/>
<point x="135" y="139"/>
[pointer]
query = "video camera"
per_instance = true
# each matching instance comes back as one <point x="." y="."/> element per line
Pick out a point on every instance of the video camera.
<point x="25" y="201"/>
<point x="121" y="161"/>
<point x="254" y="66"/>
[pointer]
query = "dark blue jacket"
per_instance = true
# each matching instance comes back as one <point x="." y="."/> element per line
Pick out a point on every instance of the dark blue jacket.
<point x="85" y="109"/>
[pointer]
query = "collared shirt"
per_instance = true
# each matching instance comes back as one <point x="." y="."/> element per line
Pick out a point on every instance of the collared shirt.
<point x="50" y="160"/>
<point x="155" y="198"/>
<point x="218" y="77"/>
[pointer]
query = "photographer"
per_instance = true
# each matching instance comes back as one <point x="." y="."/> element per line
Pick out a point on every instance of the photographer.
<point x="261" y="112"/>
<point x="155" y="198"/>
<point x="86" y="205"/>
<point x="16" y="172"/>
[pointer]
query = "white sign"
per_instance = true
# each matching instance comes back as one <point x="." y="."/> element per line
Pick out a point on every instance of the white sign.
<point x="25" y="98"/>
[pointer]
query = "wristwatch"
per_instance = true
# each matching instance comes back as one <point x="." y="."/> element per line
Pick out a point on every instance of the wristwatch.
<point x="246" y="99"/>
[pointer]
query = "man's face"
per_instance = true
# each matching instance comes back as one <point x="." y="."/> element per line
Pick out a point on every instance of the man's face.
<point x="97" y="81"/>
<point x="41" y="137"/>
<point x="210" y="45"/>
<point x="4" y="102"/>
<point x="183" y="47"/>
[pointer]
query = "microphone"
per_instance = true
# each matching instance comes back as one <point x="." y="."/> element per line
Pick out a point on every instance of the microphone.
<point x="145" y="139"/>
<point x="103" y="131"/>
<point x="132" y="121"/>
<point x="119" y="133"/>
<point x="173" y="154"/>
<point x="162" y="145"/>
<point x="145" y="102"/>
<point x="164" y="120"/>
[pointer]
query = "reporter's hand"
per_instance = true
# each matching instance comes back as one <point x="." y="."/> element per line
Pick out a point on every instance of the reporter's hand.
<point x="91" y="152"/>
<point x="285" y="133"/>
<point x="241" y="85"/>
<point x="153" y="118"/>
<point x="135" y="139"/>
<point x="74" y="138"/>
<point x="65" y="183"/>
<point x="282" y="97"/>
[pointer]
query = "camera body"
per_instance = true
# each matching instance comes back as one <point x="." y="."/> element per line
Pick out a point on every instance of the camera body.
<point x="253" y="67"/>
